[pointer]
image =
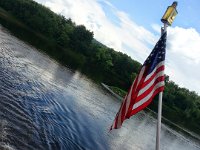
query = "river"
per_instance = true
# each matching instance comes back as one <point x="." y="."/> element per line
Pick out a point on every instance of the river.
<point x="46" y="106"/>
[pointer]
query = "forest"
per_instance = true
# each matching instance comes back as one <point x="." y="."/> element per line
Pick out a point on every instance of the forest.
<point x="74" y="46"/>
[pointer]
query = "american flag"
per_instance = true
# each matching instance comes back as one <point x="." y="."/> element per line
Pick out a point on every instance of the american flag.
<point x="148" y="83"/>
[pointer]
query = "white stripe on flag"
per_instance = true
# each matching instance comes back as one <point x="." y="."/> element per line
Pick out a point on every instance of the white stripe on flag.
<point x="129" y="98"/>
<point x="158" y="85"/>
<point x="119" y="122"/>
<point x="140" y="75"/>
<point x="161" y="73"/>
<point x="159" y="65"/>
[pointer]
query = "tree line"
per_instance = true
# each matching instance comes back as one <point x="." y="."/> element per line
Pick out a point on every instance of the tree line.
<point x="74" y="45"/>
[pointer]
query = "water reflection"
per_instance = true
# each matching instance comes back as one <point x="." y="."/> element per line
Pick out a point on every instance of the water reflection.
<point x="44" y="105"/>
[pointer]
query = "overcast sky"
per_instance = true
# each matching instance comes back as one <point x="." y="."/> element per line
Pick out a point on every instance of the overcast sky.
<point x="133" y="27"/>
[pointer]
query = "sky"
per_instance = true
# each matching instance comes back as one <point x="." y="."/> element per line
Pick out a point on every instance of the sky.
<point x="133" y="27"/>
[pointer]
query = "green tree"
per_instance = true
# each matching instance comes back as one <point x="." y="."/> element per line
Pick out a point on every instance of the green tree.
<point x="81" y="39"/>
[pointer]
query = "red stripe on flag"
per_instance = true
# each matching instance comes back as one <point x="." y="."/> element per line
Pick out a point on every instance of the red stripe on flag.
<point x="143" y="95"/>
<point x="134" y="95"/>
<point x="161" y="68"/>
<point x="147" y="102"/>
<point x="116" y="121"/>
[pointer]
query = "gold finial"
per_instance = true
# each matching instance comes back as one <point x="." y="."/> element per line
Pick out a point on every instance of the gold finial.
<point x="170" y="14"/>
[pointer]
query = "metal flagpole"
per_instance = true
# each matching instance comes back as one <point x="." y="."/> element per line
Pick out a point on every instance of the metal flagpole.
<point x="159" y="121"/>
<point x="167" y="19"/>
<point x="163" y="30"/>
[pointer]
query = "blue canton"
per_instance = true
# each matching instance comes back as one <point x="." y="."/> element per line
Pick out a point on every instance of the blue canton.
<point x="157" y="55"/>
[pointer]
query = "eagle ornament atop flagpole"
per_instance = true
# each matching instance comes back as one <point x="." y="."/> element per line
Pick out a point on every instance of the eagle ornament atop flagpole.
<point x="149" y="81"/>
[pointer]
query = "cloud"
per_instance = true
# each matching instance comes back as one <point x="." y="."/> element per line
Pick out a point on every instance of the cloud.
<point x="183" y="57"/>
<point x="112" y="27"/>
<point x="186" y="42"/>
<point x="116" y="29"/>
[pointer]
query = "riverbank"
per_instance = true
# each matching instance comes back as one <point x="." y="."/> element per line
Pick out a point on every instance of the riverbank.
<point x="154" y="114"/>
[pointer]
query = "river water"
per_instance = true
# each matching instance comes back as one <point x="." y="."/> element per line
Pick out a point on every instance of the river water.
<point x="46" y="106"/>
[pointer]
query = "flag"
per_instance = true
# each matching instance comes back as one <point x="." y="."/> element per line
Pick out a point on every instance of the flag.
<point x="148" y="83"/>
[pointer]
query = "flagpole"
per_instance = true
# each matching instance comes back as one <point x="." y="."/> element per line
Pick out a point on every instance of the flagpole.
<point x="163" y="30"/>
<point x="159" y="121"/>
<point x="167" y="19"/>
